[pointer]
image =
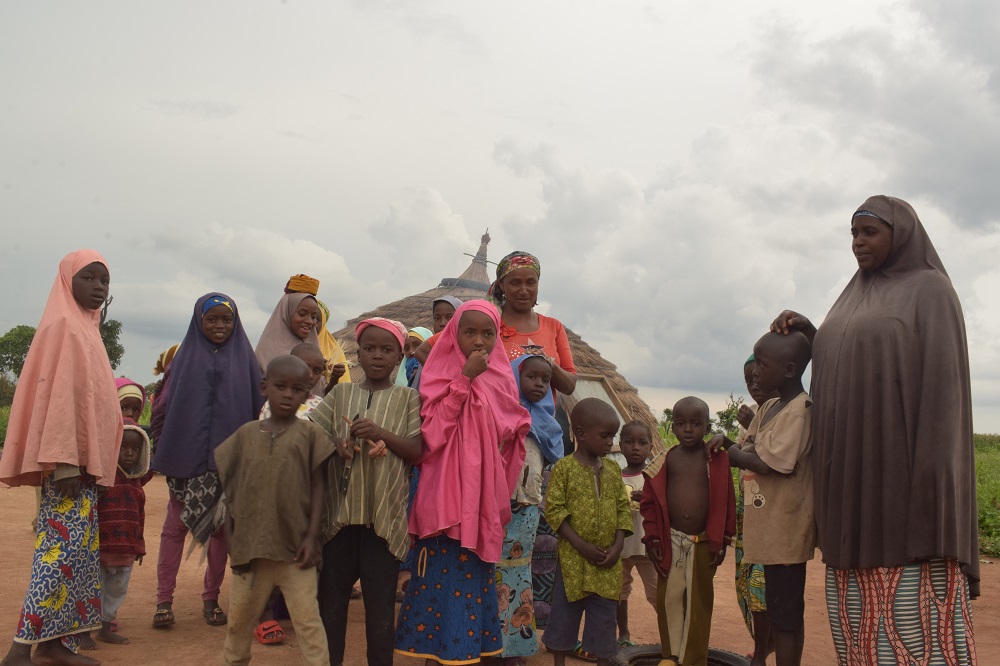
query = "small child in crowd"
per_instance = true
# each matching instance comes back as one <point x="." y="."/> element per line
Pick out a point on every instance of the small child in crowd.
<point x="407" y="375"/>
<point x="132" y="398"/>
<point x="122" y="516"/>
<point x="273" y="474"/>
<point x="309" y="354"/>
<point x="635" y="442"/>
<point x="779" y="530"/>
<point x="376" y="427"/>
<point x="689" y="517"/>
<point x="587" y="507"/>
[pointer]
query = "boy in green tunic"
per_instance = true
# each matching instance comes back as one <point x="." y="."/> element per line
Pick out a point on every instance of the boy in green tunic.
<point x="588" y="508"/>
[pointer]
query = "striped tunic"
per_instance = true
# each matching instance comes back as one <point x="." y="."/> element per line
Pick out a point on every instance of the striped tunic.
<point x="376" y="487"/>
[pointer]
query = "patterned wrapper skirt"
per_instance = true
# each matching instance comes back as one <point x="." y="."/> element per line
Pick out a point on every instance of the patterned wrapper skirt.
<point x="543" y="561"/>
<point x="917" y="614"/>
<point x="64" y="596"/>
<point x="449" y="613"/>
<point x="514" y="586"/>
<point x="749" y="577"/>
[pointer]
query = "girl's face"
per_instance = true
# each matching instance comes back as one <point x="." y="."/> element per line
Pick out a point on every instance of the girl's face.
<point x="304" y="318"/>
<point x="217" y="324"/>
<point x="872" y="242"/>
<point x="443" y="312"/>
<point x="411" y="346"/>
<point x="476" y="332"/>
<point x="131" y="408"/>
<point x="536" y="375"/>
<point x="90" y="286"/>
<point x="520" y="289"/>
<point x="128" y="455"/>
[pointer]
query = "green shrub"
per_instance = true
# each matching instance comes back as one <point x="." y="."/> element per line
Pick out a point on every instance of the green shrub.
<point x="4" y="417"/>
<point x="988" y="492"/>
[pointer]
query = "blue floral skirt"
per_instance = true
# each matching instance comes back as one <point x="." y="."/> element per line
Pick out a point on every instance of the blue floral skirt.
<point x="64" y="592"/>
<point x="514" y="585"/>
<point x="449" y="612"/>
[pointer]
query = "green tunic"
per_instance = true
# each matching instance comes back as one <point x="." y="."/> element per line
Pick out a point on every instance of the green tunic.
<point x="596" y="516"/>
<point x="378" y="487"/>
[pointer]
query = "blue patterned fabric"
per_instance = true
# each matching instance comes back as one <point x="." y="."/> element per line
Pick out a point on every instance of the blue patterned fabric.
<point x="64" y="596"/>
<point x="449" y="613"/>
<point x="514" y="586"/>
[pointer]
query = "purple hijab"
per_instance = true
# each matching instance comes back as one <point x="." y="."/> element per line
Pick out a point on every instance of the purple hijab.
<point x="209" y="391"/>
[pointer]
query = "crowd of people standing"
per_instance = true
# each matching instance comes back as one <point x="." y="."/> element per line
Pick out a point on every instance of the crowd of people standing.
<point x="446" y="458"/>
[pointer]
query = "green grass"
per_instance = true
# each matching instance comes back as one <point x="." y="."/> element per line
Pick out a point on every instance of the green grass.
<point x="988" y="492"/>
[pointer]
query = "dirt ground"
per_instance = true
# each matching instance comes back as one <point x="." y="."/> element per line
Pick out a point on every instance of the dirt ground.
<point x="191" y="641"/>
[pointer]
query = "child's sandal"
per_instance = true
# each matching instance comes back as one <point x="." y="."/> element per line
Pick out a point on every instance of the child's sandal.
<point x="269" y="633"/>
<point x="215" y="617"/>
<point x="163" y="617"/>
<point x="580" y="653"/>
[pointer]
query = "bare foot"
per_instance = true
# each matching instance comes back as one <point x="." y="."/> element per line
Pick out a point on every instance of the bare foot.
<point x="86" y="642"/>
<point x="18" y="655"/>
<point x="54" y="653"/>
<point x="106" y="635"/>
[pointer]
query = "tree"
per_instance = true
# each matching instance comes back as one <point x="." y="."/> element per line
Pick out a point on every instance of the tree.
<point x="110" y="331"/>
<point x="14" y="348"/>
<point x="725" y="421"/>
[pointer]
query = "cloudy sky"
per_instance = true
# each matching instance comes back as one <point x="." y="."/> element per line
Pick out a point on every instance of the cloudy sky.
<point x="684" y="170"/>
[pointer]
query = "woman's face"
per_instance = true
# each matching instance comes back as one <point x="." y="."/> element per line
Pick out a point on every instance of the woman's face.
<point x="304" y="318"/>
<point x="520" y="289"/>
<point x="872" y="242"/>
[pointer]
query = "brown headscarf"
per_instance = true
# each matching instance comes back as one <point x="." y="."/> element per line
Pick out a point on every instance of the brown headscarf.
<point x="895" y="476"/>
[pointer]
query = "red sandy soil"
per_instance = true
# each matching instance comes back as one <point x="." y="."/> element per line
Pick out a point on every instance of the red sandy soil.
<point x="190" y="641"/>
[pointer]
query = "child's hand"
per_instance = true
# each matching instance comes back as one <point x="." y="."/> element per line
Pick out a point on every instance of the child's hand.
<point x="591" y="553"/>
<point x="345" y="447"/>
<point x="476" y="364"/>
<point x="336" y="372"/>
<point x="367" y="429"/>
<point x="69" y="487"/>
<point x="611" y="557"/>
<point x="309" y="554"/>
<point x="744" y="415"/>
<point x="716" y="444"/>
<point x="636" y="495"/>
<point x="654" y="551"/>
<point x="719" y="557"/>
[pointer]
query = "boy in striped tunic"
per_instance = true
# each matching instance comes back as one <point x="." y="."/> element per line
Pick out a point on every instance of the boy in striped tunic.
<point x="376" y="427"/>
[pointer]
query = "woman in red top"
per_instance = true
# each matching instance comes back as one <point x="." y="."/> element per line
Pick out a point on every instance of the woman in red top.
<point x="516" y="293"/>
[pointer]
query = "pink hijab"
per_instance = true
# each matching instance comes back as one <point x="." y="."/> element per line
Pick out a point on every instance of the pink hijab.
<point x="66" y="406"/>
<point x="473" y="444"/>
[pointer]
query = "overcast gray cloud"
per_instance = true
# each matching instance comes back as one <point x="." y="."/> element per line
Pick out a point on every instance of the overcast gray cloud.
<point x="683" y="175"/>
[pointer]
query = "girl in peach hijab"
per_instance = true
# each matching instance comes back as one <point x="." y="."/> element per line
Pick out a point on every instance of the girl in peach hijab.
<point x="64" y="432"/>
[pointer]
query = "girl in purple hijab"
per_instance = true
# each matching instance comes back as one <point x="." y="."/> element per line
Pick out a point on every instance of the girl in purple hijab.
<point x="211" y="388"/>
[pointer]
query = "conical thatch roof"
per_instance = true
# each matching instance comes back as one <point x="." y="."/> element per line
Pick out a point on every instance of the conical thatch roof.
<point x="474" y="283"/>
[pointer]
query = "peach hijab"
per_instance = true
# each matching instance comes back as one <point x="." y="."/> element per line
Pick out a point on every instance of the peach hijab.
<point x="65" y="407"/>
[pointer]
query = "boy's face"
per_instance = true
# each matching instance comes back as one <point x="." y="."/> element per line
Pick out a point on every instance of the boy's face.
<point x="690" y="424"/>
<point x="316" y="363"/>
<point x="285" y="390"/>
<point x="769" y="372"/>
<point x="90" y="286"/>
<point x="131" y="408"/>
<point x="130" y="452"/>
<point x="411" y="346"/>
<point x="218" y="323"/>
<point x="758" y="396"/>
<point x="635" y="444"/>
<point x="476" y="332"/>
<point x="536" y="375"/>
<point x="598" y="436"/>
<point x="305" y="318"/>
<point x="378" y="353"/>
<point x="443" y="312"/>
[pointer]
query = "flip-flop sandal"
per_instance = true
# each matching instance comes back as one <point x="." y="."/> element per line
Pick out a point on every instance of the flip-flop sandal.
<point x="624" y="643"/>
<point x="163" y="617"/>
<point x="580" y="653"/>
<point x="269" y="633"/>
<point x="215" y="617"/>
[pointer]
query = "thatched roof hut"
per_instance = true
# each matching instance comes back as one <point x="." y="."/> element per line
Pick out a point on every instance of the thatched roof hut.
<point x="597" y="377"/>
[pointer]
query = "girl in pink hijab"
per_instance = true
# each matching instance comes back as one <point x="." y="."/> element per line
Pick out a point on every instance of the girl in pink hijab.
<point x="64" y="433"/>
<point x="473" y="429"/>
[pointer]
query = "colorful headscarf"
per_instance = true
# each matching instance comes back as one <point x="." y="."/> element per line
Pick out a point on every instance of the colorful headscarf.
<point x="447" y="298"/>
<point x="473" y="444"/>
<point x="420" y="333"/>
<point x="397" y="329"/>
<point x="545" y="430"/>
<point x="302" y="283"/>
<point x="513" y="261"/>
<point x="749" y="361"/>
<point x="328" y="345"/>
<point x="129" y="389"/>
<point x="163" y="362"/>
<point x="212" y="302"/>
<point x="65" y="406"/>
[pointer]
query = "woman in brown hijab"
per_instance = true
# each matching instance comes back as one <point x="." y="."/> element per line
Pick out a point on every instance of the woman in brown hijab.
<point x="895" y="478"/>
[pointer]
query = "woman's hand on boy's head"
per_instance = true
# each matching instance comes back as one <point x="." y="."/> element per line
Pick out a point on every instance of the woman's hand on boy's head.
<point x="476" y="364"/>
<point x="789" y="320"/>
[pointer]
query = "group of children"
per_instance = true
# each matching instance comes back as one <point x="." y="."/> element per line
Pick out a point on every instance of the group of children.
<point x="310" y="492"/>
